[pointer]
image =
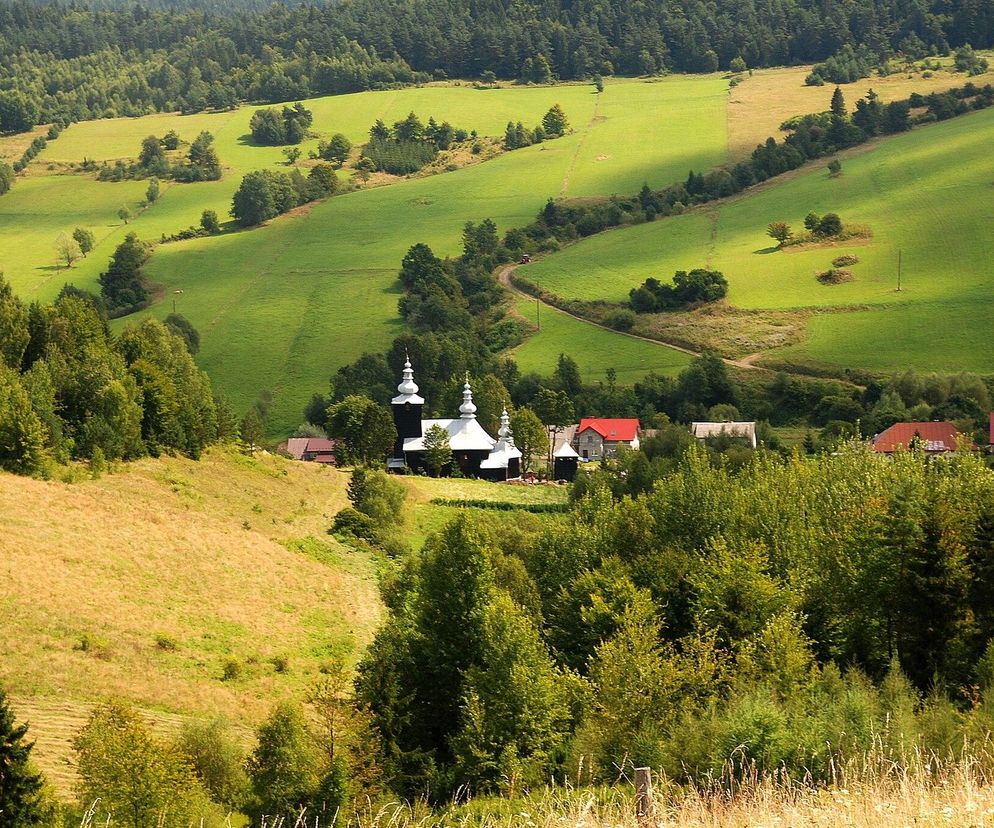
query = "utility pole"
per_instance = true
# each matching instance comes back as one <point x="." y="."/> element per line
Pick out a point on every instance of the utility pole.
<point x="898" y="271"/>
<point x="538" y="310"/>
<point x="175" y="292"/>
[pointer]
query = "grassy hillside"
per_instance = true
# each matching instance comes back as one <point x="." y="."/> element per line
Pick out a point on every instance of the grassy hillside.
<point x="146" y="583"/>
<point x="595" y="349"/>
<point x="282" y="307"/>
<point x="926" y="194"/>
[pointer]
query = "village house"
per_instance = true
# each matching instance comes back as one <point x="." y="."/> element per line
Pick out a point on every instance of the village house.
<point x="474" y="452"/>
<point x="935" y="438"/>
<point x="309" y="449"/>
<point x="599" y="437"/>
<point x="743" y="430"/>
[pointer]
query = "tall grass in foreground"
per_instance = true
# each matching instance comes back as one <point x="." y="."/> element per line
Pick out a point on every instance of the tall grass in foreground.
<point x="870" y="791"/>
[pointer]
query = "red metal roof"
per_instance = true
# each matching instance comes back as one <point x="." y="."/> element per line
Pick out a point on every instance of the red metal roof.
<point x="621" y="429"/>
<point x="319" y="445"/>
<point x="935" y="436"/>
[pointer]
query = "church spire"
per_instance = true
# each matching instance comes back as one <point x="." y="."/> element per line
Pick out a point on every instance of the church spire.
<point x="467" y="409"/>
<point x="407" y="384"/>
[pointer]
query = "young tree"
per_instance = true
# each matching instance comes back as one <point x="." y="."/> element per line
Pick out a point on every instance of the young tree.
<point x="20" y="785"/>
<point x="84" y="238"/>
<point x="132" y="775"/>
<point x="780" y="231"/>
<point x="835" y="168"/>
<point x="125" y="214"/>
<point x="170" y="140"/>
<point x="337" y="149"/>
<point x="209" y="222"/>
<point x="438" y="452"/>
<point x="284" y="767"/>
<point x="217" y="760"/>
<point x="68" y="249"/>
<point x="151" y="157"/>
<point x="529" y="436"/>
<point x="292" y="155"/>
<point x="152" y="191"/>
<point x="555" y="122"/>
<point x="839" y="104"/>
<point x="555" y="410"/>
<point x="598" y="83"/>
<point x="122" y="284"/>
<point x="252" y="431"/>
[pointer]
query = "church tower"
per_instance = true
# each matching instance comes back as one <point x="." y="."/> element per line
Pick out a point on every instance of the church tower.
<point x="407" y="407"/>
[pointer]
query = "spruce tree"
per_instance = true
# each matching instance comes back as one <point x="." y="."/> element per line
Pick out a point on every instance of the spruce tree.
<point x="20" y="786"/>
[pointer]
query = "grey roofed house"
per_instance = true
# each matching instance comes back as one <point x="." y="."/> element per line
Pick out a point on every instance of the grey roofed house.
<point x="743" y="430"/>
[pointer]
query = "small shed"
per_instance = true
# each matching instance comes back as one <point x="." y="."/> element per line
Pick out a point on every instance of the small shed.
<point x="564" y="462"/>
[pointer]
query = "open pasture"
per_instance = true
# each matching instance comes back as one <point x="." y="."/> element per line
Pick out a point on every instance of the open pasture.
<point x="281" y="307"/>
<point x="927" y="194"/>
<point x="595" y="349"/>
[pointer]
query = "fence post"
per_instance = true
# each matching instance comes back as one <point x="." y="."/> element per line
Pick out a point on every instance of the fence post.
<point x="644" y="806"/>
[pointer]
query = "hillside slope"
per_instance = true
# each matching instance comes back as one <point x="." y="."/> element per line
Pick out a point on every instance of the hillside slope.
<point x="146" y="583"/>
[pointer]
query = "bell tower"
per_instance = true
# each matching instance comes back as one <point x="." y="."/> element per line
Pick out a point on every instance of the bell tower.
<point x="407" y="407"/>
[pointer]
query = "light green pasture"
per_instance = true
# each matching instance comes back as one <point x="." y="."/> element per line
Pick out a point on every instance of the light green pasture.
<point x="927" y="194"/>
<point x="282" y="306"/>
<point x="595" y="349"/>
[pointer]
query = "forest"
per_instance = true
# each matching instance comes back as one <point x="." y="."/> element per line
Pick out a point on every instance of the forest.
<point x="65" y="62"/>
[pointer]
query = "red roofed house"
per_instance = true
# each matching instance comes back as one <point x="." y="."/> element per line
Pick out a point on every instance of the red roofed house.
<point x="311" y="449"/>
<point x="936" y="438"/>
<point x="598" y="437"/>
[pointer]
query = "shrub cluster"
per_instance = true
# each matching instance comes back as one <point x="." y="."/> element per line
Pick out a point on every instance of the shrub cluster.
<point x="697" y="286"/>
<point x="500" y="505"/>
<point x="554" y="124"/>
<point x="265" y="194"/>
<point x="410" y="145"/>
<point x="272" y="127"/>
<point x="845" y="66"/>
<point x="200" y="164"/>
<point x="36" y="146"/>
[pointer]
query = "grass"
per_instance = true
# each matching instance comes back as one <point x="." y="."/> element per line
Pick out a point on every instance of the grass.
<point x="282" y="307"/>
<point x="768" y="97"/>
<point x="595" y="349"/>
<point x="144" y="583"/>
<point x="926" y="194"/>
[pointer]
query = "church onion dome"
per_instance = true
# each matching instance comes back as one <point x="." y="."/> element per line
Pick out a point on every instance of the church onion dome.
<point x="467" y="409"/>
<point x="408" y="388"/>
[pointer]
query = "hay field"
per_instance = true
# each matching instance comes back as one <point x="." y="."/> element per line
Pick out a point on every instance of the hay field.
<point x="927" y="194"/>
<point x="145" y="583"/>
<point x="768" y="97"/>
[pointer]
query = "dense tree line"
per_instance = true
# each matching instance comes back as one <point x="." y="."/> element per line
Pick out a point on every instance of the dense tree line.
<point x="265" y="194"/>
<point x="71" y="62"/>
<point x="796" y="612"/>
<point x="68" y="389"/>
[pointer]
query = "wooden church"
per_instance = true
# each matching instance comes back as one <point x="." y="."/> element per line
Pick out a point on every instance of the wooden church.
<point x="474" y="452"/>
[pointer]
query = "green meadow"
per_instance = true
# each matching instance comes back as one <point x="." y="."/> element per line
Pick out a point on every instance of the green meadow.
<point x="595" y="349"/>
<point x="926" y="194"/>
<point x="281" y="307"/>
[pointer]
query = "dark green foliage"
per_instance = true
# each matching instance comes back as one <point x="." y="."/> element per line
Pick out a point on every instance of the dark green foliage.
<point x="399" y="157"/>
<point x="84" y="238"/>
<point x="845" y="66"/>
<point x="554" y="122"/>
<point x="6" y="177"/>
<point x="966" y="60"/>
<point x="122" y="285"/>
<point x="364" y="429"/>
<point x="152" y="158"/>
<point x="209" y="222"/>
<point x="273" y="127"/>
<point x="18" y="112"/>
<point x="182" y="327"/>
<point x="500" y="506"/>
<point x="262" y="195"/>
<point x="216" y="759"/>
<point x="337" y="149"/>
<point x="20" y="785"/>
<point x="202" y="161"/>
<point x="699" y="285"/>
<point x="36" y="146"/>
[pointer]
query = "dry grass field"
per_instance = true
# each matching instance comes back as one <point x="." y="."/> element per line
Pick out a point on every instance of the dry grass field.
<point x="761" y="102"/>
<point x="147" y="583"/>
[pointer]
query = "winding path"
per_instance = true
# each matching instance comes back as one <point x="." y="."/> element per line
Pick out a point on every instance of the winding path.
<point x="504" y="277"/>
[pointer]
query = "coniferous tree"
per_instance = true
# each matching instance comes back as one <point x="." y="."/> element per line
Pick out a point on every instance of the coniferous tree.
<point x="20" y="785"/>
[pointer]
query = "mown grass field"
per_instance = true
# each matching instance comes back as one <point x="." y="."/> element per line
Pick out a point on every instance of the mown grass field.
<point x="595" y="349"/>
<point x="927" y="194"/>
<point x="281" y="307"/>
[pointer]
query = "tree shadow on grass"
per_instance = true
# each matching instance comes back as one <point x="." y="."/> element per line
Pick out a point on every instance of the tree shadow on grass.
<point x="767" y="250"/>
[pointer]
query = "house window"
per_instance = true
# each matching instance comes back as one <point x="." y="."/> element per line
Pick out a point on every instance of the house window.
<point x="590" y="438"/>
<point x="585" y="454"/>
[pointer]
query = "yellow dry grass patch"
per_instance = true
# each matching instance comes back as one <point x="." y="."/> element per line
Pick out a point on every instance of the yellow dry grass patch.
<point x="761" y="102"/>
<point x="143" y="584"/>
<point x="12" y="146"/>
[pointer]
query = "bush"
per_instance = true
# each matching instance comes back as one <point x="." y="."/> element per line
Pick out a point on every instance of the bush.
<point x="350" y="521"/>
<point x="844" y="261"/>
<point x="399" y="157"/>
<point x="231" y="669"/>
<point x="835" y="276"/>
<point x="699" y="285"/>
<point x="622" y="320"/>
